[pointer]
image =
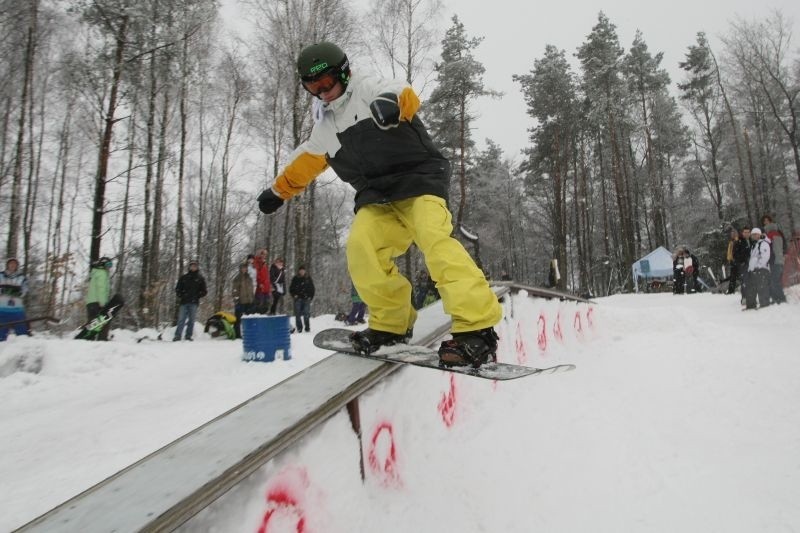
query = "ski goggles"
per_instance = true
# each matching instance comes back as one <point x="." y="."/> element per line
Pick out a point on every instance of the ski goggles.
<point x="322" y="83"/>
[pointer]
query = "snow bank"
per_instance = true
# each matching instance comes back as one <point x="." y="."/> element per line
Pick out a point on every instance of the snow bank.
<point x="681" y="416"/>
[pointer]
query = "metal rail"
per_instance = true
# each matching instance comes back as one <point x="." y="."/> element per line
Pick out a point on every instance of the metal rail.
<point x="164" y="490"/>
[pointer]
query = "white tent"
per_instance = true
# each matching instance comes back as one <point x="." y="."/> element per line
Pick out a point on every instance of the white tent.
<point x="656" y="264"/>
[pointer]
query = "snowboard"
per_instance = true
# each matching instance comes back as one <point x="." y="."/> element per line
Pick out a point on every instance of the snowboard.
<point x="92" y="329"/>
<point x="338" y="339"/>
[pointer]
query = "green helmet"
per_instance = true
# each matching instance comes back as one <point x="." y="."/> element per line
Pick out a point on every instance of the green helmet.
<point x="317" y="59"/>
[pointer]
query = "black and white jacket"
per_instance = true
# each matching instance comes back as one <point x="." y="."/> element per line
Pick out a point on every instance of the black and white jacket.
<point x="382" y="165"/>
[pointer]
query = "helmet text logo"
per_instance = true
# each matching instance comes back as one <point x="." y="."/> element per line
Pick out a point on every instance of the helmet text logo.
<point x="317" y="68"/>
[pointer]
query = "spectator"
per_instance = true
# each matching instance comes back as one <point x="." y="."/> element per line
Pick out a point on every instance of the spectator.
<point x="263" y="289"/>
<point x="776" y="239"/>
<point x="302" y="290"/>
<point x="251" y="270"/>
<point x="741" y="257"/>
<point x="190" y="289"/>
<point x="691" y="266"/>
<point x="421" y="289"/>
<point x="243" y="297"/>
<point x="758" y="272"/>
<point x="678" y="274"/>
<point x="733" y="277"/>
<point x="356" y="315"/>
<point x="13" y="288"/>
<point x="99" y="293"/>
<point x="277" y="278"/>
<point x="222" y="324"/>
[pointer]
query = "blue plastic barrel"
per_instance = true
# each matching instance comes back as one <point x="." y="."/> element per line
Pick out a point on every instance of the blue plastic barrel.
<point x="266" y="338"/>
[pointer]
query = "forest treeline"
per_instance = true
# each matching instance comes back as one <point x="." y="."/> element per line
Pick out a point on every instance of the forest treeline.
<point x="143" y="131"/>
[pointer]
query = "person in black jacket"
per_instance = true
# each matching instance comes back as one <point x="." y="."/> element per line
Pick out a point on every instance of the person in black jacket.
<point x="678" y="275"/>
<point x="190" y="288"/>
<point x="741" y="257"/>
<point x="302" y="290"/>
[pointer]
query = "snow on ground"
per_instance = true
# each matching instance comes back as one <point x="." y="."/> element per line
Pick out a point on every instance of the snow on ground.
<point x="683" y="415"/>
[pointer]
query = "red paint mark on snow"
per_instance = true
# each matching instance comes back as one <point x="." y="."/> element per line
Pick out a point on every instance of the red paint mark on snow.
<point x="522" y="352"/>
<point x="577" y="323"/>
<point x="558" y="333"/>
<point x="542" y="337"/>
<point x="382" y="455"/>
<point x="447" y="405"/>
<point x="284" y="510"/>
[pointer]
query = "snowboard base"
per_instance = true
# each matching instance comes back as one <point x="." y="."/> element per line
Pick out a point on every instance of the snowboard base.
<point x="338" y="339"/>
<point x="91" y="330"/>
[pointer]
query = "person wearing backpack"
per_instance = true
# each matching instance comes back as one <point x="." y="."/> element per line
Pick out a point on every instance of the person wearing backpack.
<point x="778" y="243"/>
<point x="757" y="289"/>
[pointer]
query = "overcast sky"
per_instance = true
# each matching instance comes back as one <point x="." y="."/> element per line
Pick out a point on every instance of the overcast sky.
<point x="515" y="33"/>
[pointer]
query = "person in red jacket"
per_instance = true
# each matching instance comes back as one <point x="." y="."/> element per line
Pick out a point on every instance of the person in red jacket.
<point x="263" y="287"/>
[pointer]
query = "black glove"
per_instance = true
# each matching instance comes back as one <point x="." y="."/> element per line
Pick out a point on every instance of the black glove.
<point x="269" y="202"/>
<point x="385" y="111"/>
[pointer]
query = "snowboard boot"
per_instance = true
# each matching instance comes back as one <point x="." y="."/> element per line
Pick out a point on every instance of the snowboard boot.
<point x="472" y="348"/>
<point x="369" y="340"/>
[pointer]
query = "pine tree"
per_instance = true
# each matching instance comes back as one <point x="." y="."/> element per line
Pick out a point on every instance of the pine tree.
<point x="606" y="94"/>
<point x="459" y="80"/>
<point x="646" y="81"/>
<point x="700" y="92"/>
<point x="550" y="94"/>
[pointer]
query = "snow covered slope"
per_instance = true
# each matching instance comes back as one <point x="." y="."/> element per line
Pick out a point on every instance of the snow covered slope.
<point x="683" y="415"/>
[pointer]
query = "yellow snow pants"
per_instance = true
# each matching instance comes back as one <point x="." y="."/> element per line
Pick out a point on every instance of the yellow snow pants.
<point x="382" y="232"/>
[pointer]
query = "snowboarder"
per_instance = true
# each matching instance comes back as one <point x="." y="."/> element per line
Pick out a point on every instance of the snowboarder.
<point x="369" y="132"/>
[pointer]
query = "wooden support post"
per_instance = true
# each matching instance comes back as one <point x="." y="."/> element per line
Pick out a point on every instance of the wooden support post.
<point x="355" y="422"/>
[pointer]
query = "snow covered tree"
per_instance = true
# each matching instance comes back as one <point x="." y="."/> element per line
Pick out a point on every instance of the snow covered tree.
<point x="399" y="36"/>
<point x="605" y="96"/>
<point x="508" y="240"/>
<point x="550" y="94"/>
<point x="760" y="71"/>
<point x="285" y="28"/>
<point x="647" y="80"/>
<point x="701" y="94"/>
<point x="459" y="80"/>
